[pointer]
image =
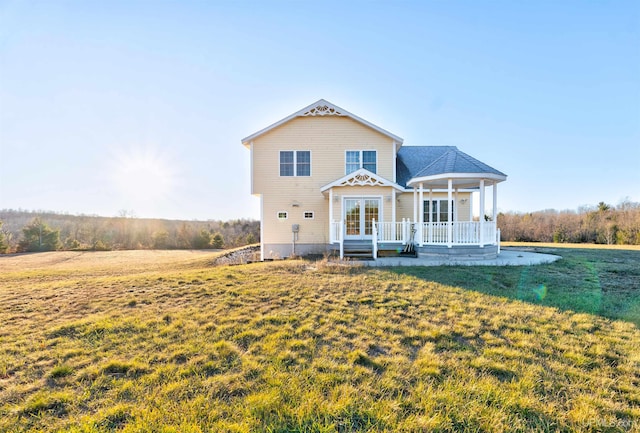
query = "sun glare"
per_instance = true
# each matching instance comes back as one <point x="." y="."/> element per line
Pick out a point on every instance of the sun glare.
<point x="143" y="178"/>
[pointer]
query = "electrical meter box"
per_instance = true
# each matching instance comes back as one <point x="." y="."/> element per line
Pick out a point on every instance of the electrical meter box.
<point x="295" y="228"/>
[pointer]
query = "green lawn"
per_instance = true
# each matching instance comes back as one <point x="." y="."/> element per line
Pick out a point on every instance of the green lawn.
<point x="147" y="342"/>
<point x="605" y="282"/>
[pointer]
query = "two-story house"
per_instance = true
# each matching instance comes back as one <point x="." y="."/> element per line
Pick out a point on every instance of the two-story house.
<point x="329" y="180"/>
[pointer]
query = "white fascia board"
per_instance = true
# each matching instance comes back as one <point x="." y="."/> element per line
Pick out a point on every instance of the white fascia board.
<point x="342" y="111"/>
<point x="438" y="190"/>
<point x="470" y="176"/>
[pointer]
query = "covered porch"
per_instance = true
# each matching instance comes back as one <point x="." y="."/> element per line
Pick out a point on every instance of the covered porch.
<point x="444" y="231"/>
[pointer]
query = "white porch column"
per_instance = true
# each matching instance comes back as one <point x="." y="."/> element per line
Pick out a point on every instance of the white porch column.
<point x="455" y="207"/>
<point x="415" y="205"/>
<point x="456" y="215"/>
<point x="495" y="203"/>
<point x="495" y="211"/>
<point x="421" y="214"/>
<point x="393" y="213"/>
<point x="481" y="220"/>
<point x="449" y="214"/>
<point x="430" y="215"/>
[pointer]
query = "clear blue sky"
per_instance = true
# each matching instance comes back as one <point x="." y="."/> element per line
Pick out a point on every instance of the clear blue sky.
<point x="140" y="105"/>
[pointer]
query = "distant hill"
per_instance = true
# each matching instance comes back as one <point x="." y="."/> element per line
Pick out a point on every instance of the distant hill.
<point x="89" y="232"/>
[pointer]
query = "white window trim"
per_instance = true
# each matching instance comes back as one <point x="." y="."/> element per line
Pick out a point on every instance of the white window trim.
<point x="313" y="215"/>
<point x="286" y="215"/>
<point x="361" y="163"/>
<point x="295" y="162"/>
<point x="437" y="210"/>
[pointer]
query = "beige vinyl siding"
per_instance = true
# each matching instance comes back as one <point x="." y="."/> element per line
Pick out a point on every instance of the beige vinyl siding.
<point x="328" y="139"/>
<point x="464" y="209"/>
<point x="404" y="206"/>
<point x="312" y="231"/>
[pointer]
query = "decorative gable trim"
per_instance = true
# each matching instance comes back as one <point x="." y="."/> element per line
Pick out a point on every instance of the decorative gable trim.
<point x="361" y="177"/>
<point x="323" y="108"/>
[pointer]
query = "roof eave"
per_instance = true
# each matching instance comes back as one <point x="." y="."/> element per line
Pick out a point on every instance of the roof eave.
<point x="494" y="177"/>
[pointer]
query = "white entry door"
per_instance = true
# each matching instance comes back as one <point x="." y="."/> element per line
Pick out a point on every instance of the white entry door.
<point x="358" y="216"/>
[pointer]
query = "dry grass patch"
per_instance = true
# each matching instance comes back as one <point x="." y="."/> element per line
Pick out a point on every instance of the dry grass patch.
<point x="298" y="346"/>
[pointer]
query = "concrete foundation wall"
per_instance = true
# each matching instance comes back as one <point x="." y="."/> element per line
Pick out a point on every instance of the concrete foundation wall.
<point x="462" y="252"/>
<point x="280" y="251"/>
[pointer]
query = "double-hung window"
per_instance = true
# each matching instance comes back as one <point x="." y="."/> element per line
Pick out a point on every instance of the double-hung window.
<point x="295" y="163"/>
<point x="439" y="211"/>
<point x="357" y="159"/>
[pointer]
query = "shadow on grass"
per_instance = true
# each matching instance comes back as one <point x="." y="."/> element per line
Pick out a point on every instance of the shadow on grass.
<point x="601" y="282"/>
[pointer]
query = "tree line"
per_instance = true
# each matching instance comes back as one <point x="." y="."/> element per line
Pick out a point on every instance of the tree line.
<point x="24" y="231"/>
<point x="601" y="224"/>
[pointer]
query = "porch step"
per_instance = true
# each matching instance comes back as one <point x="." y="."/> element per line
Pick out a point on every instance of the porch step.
<point x="357" y="249"/>
<point x="359" y="254"/>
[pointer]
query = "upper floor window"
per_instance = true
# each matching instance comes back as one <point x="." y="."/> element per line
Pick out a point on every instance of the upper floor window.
<point x="295" y="163"/>
<point x="357" y="159"/>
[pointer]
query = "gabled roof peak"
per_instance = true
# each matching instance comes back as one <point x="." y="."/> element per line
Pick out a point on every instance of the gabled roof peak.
<point x="322" y="107"/>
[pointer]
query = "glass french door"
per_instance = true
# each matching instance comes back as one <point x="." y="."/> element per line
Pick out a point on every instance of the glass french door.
<point x="359" y="214"/>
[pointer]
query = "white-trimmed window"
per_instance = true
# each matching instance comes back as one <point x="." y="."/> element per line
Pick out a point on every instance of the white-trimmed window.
<point x="357" y="159"/>
<point x="439" y="211"/>
<point x="308" y="215"/>
<point x="283" y="215"/>
<point x="295" y="163"/>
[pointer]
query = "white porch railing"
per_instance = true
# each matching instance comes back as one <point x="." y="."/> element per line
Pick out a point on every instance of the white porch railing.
<point x="434" y="233"/>
<point x="466" y="232"/>
<point x="334" y="231"/>
<point x="462" y="233"/>
<point x="489" y="236"/>
<point x="391" y="232"/>
<point x="374" y="237"/>
<point x="336" y="235"/>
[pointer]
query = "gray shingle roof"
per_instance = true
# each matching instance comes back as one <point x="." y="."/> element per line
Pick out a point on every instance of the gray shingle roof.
<point x="422" y="161"/>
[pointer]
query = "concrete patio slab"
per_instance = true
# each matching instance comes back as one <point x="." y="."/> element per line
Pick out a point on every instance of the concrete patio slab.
<point x="507" y="257"/>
